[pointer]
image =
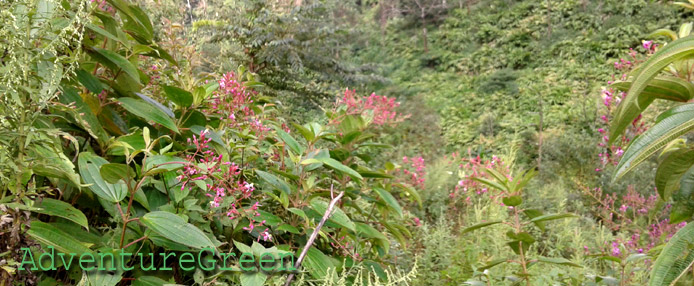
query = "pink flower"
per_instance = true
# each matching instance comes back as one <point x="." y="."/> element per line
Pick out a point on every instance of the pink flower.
<point x="647" y="45"/>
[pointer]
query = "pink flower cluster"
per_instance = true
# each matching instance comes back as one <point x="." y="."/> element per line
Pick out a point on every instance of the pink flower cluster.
<point x="611" y="98"/>
<point x="383" y="107"/>
<point x="345" y="247"/>
<point x="472" y="167"/>
<point x="103" y="6"/>
<point x="221" y="180"/>
<point x="621" y="214"/>
<point x="233" y="102"/>
<point x="414" y="171"/>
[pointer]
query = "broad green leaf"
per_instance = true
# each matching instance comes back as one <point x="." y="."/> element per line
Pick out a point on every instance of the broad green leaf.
<point x="103" y="278"/>
<point x="490" y="183"/>
<point x="480" y="225"/>
<point x="552" y="217"/>
<point x="106" y="34"/>
<point x="156" y="104"/>
<point x="340" y="167"/>
<point x="630" y="108"/>
<point x="512" y="201"/>
<point x="290" y="142"/>
<point x="655" y="138"/>
<point x="62" y="209"/>
<point x="163" y="163"/>
<point x="84" y="115"/>
<point x="661" y="87"/>
<point x="287" y="228"/>
<point x="176" y="229"/>
<point x="670" y="171"/>
<point x="338" y="216"/>
<point x="308" y="134"/>
<point x="317" y="263"/>
<point x="492" y="264"/>
<point x="375" y="174"/>
<point x="368" y="231"/>
<point x="676" y="258"/>
<point x="664" y="33"/>
<point x="149" y="281"/>
<point x="533" y="213"/>
<point x="50" y="235"/>
<point x="179" y="96"/>
<point x="269" y="218"/>
<point x="148" y="112"/>
<point x="51" y="162"/>
<point x="683" y="199"/>
<point x="89" y="165"/>
<point x="115" y="172"/>
<point x="274" y="181"/>
<point x="115" y="62"/>
<point x="389" y="200"/>
<point x="91" y="82"/>
<point x="253" y="278"/>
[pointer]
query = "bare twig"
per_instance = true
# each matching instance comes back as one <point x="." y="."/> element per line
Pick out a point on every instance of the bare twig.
<point x="314" y="235"/>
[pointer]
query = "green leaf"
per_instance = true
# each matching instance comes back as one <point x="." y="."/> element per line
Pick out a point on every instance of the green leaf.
<point x="253" y="278"/>
<point x="149" y="281"/>
<point x="389" y="200"/>
<point x="274" y="181"/>
<point x="533" y="213"/>
<point x="50" y="162"/>
<point x="317" y="263"/>
<point x="155" y="164"/>
<point x="375" y="174"/>
<point x="480" y="225"/>
<point x="492" y="264"/>
<point x="676" y="258"/>
<point x="89" y="165"/>
<point x="557" y="260"/>
<point x="62" y="209"/>
<point x="148" y="112"/>
<point x="410" y="191"/>
<point x="115" y="172"/>
<point x="683" y="199"/>
<point x="179" y="96"/>
<point x="89" y="81"/>
<point x="287" y="228"/>
<point x="50" y="235"/>
<point x="340" y="168"/>
<point x="338" y="216"/>
<point x="103" y="278"/>
<point x="670" y="171"/>
<point x="663" y="32"/>
<point x="490" y="183"/>
<point x="368" y="231"/>
<point x="512" y="201"/>
<point x="552" y="217"/>
<point x="84" y="115"/>
<point x="115" y="63"/>
<point x="633" y="103"/>
<point x="290" y="142"/>
<point x="176" y="229"/>
<point x="269" y="218"/>
<point x="308" y="134"/>
<point x="655" y="138"/>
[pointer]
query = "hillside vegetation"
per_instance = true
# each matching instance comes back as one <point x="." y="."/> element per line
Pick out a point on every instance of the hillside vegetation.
<point x="380" y="142"/>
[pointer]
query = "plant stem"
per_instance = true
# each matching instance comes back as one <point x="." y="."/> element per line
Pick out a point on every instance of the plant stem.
<point x="314" y="235"/>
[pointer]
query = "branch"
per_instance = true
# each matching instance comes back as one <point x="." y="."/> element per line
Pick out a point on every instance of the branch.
<point x="311" y="239"/>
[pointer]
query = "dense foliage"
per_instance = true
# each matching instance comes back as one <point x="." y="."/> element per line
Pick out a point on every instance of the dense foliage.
<point x="414" y="142"/>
